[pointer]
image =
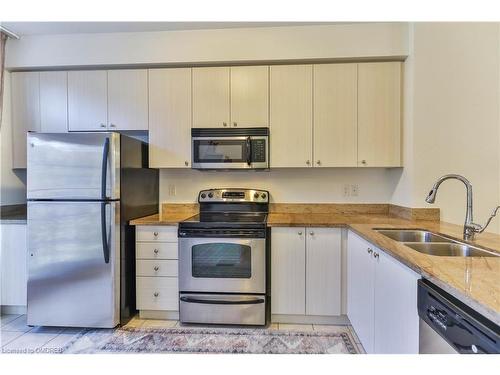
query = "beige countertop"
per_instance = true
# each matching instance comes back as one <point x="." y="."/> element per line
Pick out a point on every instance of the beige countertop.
<point x="474" y="280"/>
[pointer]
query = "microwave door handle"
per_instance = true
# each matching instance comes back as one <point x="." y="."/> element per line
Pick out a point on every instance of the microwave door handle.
<point x="249" y="150"/>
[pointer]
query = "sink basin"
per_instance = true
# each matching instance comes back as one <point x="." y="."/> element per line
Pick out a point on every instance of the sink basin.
<point x="412" y="235"/>
<point x="450" y="249"/>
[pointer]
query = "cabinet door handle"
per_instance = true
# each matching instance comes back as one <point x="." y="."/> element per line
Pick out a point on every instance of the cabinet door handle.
<point x="311" y="233"/>
<point x="375" y="255"/>
<point x="103" y="125"/>
<point x="156" y="294"/>
<point x="155" y="251"/>
<point x="156" y="268"/>
<point x="369" y="251"/>
<point x="318" y="162"/>
<point x="235" y="124"/>
<point x="155" y="234"/>
<point x="300" y="233"/>
<point x="224" y="124"/>
<point x="186" y="163"/>
<point x="363" y="162"/>
<point x="112" y="125"/>
<point x="308" y="162"/>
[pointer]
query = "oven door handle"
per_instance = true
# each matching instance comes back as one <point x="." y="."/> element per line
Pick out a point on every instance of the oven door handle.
<point x="254" y="301"/>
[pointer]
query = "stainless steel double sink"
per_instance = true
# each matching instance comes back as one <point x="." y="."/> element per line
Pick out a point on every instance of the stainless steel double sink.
<point x="434" y="244"/>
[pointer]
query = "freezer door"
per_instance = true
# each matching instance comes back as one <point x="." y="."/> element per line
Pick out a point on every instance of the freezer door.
<point x="74" y="264"/>
<point x="73" y="166"/>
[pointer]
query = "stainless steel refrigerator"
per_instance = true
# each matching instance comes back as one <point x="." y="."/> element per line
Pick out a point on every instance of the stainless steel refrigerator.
<point x="82" y="190"/>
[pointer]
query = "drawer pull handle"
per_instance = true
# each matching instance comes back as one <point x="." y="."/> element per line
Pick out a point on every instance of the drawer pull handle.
<point x="155" y="251"/>
<point x="156" y="268"/>
<point x="155" y="234"/>
<point x="156" y="294"/>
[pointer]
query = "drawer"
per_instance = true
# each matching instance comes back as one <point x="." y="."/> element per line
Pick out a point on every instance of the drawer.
<point x="157" y="293"/>
<point x="156" y="233"/>
<point x="146" y="267"/>
<point x="156" y="250"/>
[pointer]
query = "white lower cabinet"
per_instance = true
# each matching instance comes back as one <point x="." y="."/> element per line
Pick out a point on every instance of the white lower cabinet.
<point x="13" y="265"/>
<point x="157" y="291"/>
<point x="306" y="271"/>
<point x="381" y="299"/>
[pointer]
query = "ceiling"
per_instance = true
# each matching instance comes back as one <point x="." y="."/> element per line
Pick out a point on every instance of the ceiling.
<point x="41" y="28"/>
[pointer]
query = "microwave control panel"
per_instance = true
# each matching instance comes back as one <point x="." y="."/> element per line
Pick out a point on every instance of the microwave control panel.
<point x="258" y="150"/>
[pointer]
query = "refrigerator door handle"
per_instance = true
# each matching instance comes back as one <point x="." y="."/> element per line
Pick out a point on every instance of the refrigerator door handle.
<point x="104" y="168"/>
<point x="104" y="233"/>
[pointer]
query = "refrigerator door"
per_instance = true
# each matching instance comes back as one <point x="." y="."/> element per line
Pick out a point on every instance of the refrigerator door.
<point x="73" y="166"/>
<point x="74" y="264"/>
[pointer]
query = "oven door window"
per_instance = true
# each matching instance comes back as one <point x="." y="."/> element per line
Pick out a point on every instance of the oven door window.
<point x="221" y="260"/>
<point x="220" y="151"/>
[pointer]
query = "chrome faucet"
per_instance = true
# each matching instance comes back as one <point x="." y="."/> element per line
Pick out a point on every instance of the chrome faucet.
<point x="470" y="228"/>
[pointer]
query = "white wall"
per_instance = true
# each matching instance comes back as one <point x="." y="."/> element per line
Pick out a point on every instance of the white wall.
<point x="12" y="183"/>
<point x="356" y="40"/>
<point x="453" y="117"/>
<point x="304" y="185"/>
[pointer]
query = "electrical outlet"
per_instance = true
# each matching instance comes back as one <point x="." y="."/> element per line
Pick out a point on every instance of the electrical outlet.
<point x="171" y="190"/>
<point x="354" y="190"/>
<point x="346" y="190"/>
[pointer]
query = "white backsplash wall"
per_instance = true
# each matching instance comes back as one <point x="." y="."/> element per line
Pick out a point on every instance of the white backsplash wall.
<point x="303" y="185"/>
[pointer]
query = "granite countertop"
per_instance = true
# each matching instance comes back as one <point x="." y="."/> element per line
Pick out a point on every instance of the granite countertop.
<point x="13" y="214"/>
<point x="474" y="280"/>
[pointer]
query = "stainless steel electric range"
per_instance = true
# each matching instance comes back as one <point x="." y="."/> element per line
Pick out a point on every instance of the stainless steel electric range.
<point x="223" y="256"/>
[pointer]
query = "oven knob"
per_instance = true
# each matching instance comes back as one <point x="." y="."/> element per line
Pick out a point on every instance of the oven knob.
<point x="256" y="195"/>
<point x="210" y="195"/>
<point x="203" y="195"/>
<point x="263" y="195"/>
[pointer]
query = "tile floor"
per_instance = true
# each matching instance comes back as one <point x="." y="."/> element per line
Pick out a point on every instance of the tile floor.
<point x="17" y="337"/>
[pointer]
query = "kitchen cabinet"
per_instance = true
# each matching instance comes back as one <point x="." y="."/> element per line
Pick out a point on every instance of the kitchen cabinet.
<point x="211" y="97"/>
<point x="379" y="114"/>
<point x="108" y="100"/>
<point x="170" y="118"/>
<point x="13" y="265"/>
<point x="335" y="115"/>
<point x="381" y="299"/>
<point x="250" y="96"/>
<point x="157" y="292"/>
<point x="290" y="114"/>
<point x="54" y="102"/>
<point x="306" y="271"/>
<point x="87" y="100"/>
<point x="25" y="91"/>
<point x="128" y="99"/>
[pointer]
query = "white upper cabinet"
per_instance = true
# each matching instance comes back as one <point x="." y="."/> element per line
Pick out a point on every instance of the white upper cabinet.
<point x="128" y="99"/>
<point x="54" y="102"/>
<point x="379" y="114"/>
<point x="290" y="114"/>
<point x="211" y="97"/>
<point x="288" y="259"/>
<point x="323" y="271"/>
<point x="25" y="91"/>
<point x="170" y="118"/>
<point x="335" y="115"/>
<point x="87" y="100"/>
<point x="250" y="96"/>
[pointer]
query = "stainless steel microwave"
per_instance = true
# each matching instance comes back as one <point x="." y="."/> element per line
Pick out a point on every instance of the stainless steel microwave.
<point x="216" y="148"/>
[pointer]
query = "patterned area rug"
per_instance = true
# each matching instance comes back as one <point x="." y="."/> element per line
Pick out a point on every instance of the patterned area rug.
<point x="211" y="340"/>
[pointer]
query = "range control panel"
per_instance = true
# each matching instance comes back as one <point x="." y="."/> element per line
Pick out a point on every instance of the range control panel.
<point x="233" y="195"/>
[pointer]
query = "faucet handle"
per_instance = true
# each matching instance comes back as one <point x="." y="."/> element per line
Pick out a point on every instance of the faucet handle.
<point x="481" y="229"/>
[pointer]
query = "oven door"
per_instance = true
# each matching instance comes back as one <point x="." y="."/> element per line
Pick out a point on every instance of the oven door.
<point x="222" y="265"/>
<point x="230" y="152"/>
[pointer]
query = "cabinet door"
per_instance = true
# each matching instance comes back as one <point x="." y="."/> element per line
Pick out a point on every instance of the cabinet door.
<point x="170" y="118"/>
<point x="288" y="277"/>
<point x="54" y="102"/>
<point x="335" y="115"/>
<point x="323" y="271"/>
<point x="291" y="116"/>
<point x="128" y="99"/>
<point x="211" y="98"/>
<point x="396" y="315"/>
<point x="360" y="293"/>
<point x="87" y="100"/>
<point x="379" y="114"/>
<point x="25" y="91"/>
<point x="250" y="96"/>
<point x="13" y="272"/>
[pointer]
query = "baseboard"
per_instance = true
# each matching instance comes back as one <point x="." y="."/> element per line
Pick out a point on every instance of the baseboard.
<point x="159" y="314"/>
<point x="310" y="319"/>
<point x="10" y="309"/>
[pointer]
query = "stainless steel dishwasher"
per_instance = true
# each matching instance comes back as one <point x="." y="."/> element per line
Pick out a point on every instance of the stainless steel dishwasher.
<point x="447" y="325"/>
